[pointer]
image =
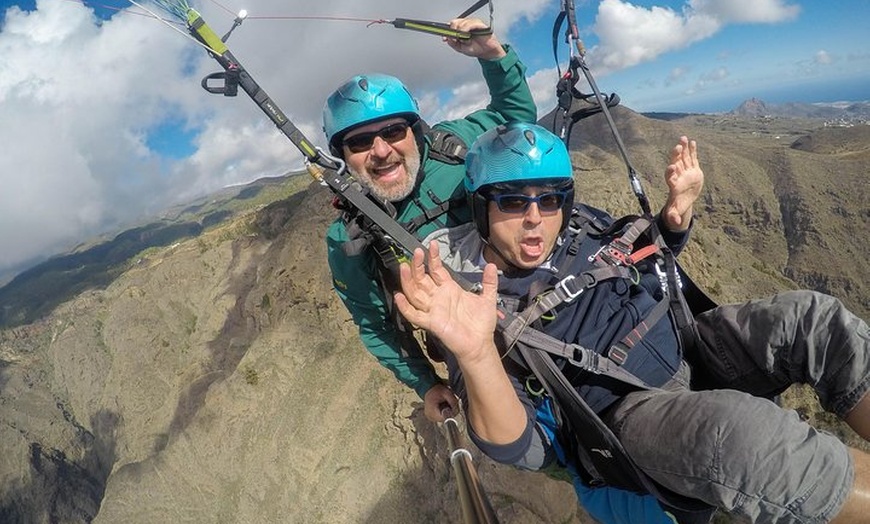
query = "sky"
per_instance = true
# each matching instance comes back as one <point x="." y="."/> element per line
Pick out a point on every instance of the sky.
<point x="103" y="121"/>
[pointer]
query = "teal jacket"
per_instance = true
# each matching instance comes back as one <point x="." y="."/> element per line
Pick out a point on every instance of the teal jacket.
<point x="355" y="278"/>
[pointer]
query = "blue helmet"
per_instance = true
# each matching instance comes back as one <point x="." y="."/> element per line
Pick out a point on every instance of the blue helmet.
<point x="364" y="99"/>
<point x="517" y="154"/>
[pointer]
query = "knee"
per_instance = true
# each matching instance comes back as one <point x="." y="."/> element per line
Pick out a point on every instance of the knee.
<point x="826" y="302"/>
<point x="812" y="308"/>
<point x="808" y="300"/>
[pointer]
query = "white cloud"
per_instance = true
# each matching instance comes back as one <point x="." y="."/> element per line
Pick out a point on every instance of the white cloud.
<point x="543" y="86"/>
<point x="710" y="78"/>
<point x="676" y="74"/>
<point x="747" y="11"/>
<point x="463" y="99"/>
<point x="74" y="100"/>
<point x="78" y="97"/>
<point x="630" y="34"/>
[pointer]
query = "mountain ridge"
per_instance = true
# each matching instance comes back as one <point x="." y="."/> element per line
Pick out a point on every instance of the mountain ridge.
<point x="217" y="377"/>
<point x="844" y="113"/>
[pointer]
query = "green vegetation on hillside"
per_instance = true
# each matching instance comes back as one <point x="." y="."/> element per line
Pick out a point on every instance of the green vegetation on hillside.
<point x="37" y="291"/>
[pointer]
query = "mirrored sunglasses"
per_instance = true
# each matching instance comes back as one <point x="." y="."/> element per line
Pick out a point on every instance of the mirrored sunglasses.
<point x="363" y="141"/>
<point x="547" y="202"/>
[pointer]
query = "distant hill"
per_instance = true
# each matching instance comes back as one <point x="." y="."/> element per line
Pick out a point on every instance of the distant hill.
<point x="834" y="112"/>
<point x="35" y="292"/>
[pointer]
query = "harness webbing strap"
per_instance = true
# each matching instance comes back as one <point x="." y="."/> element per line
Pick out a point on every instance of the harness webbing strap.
<point x="516" y="331"/>
<point x="679" y="307"/>
<point x="619" y="351"/>
<point x="430" y="214"/>
<point x="570" y="288"/>
<point x="596" y="447"/>
<point x="599" y="449"/>
<point x="641" y="254"/>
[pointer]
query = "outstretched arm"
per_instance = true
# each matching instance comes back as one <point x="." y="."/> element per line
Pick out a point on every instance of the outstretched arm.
<point x="465" y="323"/>
<point x="685" y="180"/>
<point x="510" y="98"/>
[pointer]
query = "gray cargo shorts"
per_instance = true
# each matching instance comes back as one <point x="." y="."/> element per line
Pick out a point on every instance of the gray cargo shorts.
<point x="741" y="453"/>
<point x="798" y="337"/>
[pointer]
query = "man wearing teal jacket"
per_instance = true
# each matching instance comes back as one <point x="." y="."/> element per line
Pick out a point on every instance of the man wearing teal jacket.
<point x="373" y="123"/>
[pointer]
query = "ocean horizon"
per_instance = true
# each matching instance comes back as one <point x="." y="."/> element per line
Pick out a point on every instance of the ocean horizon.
<point x="819" y="91"/>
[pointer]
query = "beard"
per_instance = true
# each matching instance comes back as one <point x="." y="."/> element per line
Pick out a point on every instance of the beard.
<point x="399" y="189"/>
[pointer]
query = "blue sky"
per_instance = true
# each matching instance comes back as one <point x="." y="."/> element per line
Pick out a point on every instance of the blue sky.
<point x="769" y="50"/>
<point x="778" y="62"/>
<point x="103" y="120"/>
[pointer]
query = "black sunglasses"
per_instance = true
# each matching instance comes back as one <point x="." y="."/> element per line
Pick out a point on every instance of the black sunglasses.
<point x="363" y="141"/>
<point x="547" y="202"/>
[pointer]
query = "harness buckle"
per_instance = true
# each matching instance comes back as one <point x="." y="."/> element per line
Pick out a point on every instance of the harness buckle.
<point x="577" y="363"/>
<point x="563" y="287"/>
<point x="617" y="252"/>
<point x="586" y="360"/>
<point x="617" y="355"/>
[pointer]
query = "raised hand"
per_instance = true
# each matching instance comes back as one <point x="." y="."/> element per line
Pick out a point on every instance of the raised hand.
<point x="685" y="180"/>
<point x="481" y="46"/>
<point x="462" y="320"/>
<point x="465" y="323"/>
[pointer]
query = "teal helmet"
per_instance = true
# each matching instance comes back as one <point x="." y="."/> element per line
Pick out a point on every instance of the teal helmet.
<point x="364" y="99"/>
<point x="516" y="154"/>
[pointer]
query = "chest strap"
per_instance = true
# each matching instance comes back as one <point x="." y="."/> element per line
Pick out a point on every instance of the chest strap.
<point x="571" y="287"/>
<point x="617" y="260"/>
<point x="517" y="330"/>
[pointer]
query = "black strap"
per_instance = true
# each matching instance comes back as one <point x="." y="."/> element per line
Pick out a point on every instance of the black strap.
<point x="557" y="26"/>
<point x="431" y="213"/>
<point x="446" y="147"/>
<point x="600" y="450"/>
<point x="595" y="447"/>
<point x="619" y="351"/>
<point x="477" y="5"/>
<point x="569" y="288"/>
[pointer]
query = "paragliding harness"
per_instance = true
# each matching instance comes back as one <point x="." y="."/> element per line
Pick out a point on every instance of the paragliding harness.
<point x="596" y="452"/>
<point x="363" y="233"/>
<point x="590" y="444"/>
